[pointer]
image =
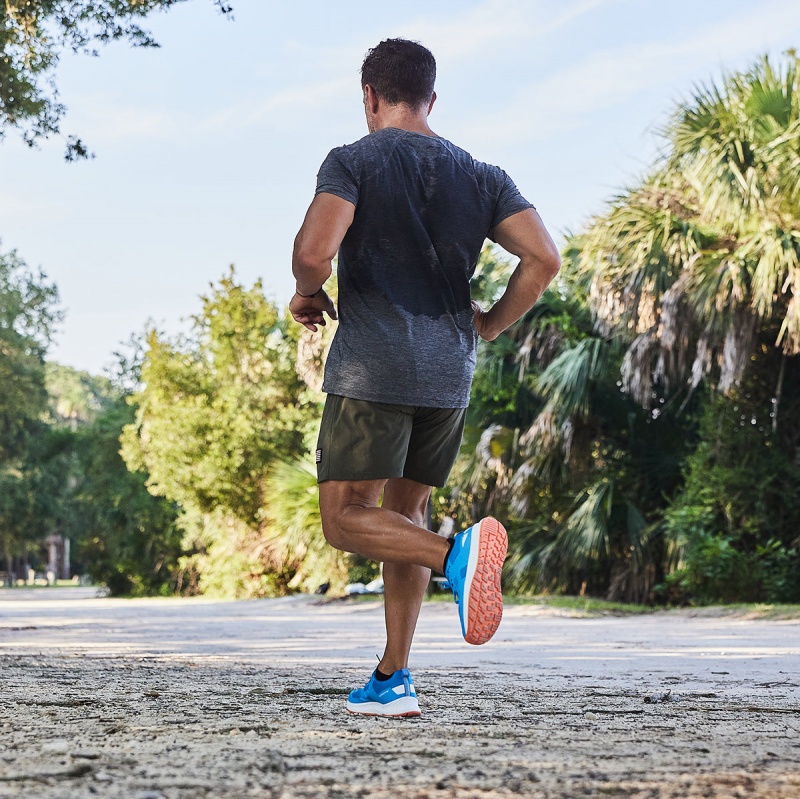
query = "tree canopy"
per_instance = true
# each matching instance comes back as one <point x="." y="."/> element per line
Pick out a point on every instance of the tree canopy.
<point x="28" y="314"/>
<point x="640" y="425"/>
<point x="34" y="33"/>
<point x="700" y="263"/>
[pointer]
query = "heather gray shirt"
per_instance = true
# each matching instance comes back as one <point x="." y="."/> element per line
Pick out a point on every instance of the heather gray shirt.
<point x="424" y="208"/>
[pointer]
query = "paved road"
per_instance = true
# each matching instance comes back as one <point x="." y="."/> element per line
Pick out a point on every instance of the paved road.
<point x="250" y="695"/>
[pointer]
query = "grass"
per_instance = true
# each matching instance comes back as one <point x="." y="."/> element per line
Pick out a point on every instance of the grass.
<point x="599" y="607"/>
<point x="752" y="610"/>
<point x="581" y="604"/>
<point x="584" y="604"/>
<point x="589" y="606"/>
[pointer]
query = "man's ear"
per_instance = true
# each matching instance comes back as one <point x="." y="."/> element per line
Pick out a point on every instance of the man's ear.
<point x="370" y="98"/>
<point x="433" y="100"/>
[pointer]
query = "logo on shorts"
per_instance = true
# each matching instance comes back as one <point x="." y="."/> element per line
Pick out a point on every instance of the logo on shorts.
<point x="318" y="458"/>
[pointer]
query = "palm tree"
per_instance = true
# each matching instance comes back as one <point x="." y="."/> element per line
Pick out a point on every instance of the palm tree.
<point x="549" y="446"/>
<point x="700" y="265"/>
<point x="691" y="276"/>
<point x="687" y="276"/>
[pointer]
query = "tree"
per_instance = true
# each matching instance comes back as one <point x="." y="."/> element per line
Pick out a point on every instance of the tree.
<point x="217" y="407"/>
<point x="128" y="539"/>
<point x="699" y="266"/>
<point x="75" y="396"/>
<point x="78" y="486"/>
<point x="215" y="410"/>
<point x="557" y="448"/>
<point x="697" y="271"/>
<point x="733" y="530"/>
<point x="33" y="33"/>
<point x="691" y="279"/>
<point x="28" y="314"/>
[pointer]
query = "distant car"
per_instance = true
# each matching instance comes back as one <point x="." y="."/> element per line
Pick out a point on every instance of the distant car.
<point x="374" y="587"/>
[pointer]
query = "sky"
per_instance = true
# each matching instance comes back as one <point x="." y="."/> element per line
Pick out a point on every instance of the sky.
<point x="207" y="148"/>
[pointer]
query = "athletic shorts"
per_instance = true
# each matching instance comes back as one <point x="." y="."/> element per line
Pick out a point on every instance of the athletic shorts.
<point x="360" y="440"/>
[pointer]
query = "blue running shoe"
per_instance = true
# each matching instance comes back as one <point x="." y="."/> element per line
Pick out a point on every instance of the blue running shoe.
<point x="473" y="572"/>
<point x="393" y="697"/>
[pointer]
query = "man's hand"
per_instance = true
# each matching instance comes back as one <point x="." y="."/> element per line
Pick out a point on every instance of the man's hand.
<point x="481" y="323"/>
<point x="309" y="311"/>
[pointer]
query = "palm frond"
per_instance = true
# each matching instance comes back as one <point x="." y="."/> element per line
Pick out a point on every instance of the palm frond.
<point x="585" y="535"/>
<point x="567" y="381"/>
<point x="294" y="526"/>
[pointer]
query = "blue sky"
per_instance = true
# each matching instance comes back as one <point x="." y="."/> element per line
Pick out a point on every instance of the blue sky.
<point x="207" y="149"/>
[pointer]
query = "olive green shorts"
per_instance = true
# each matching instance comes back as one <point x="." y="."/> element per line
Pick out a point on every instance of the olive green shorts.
<point x="360" y="440"/>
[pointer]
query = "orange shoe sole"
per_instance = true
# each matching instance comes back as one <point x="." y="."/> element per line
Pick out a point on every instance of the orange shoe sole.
<point x="485" y="608"/>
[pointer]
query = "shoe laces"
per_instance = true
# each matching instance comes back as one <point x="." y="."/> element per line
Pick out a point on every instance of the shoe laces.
<point x="448" y="586"/>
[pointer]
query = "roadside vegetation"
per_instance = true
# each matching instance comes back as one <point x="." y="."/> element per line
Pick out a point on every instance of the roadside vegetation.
<point x="639" y="429"/>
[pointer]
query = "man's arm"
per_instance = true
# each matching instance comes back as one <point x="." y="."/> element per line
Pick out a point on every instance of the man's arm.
<point x="327" y="221"/>
<point x="524" y="235"/>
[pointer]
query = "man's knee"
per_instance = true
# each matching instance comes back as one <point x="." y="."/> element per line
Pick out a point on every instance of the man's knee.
<point x="338" y="526"/>
<point x="333" y="532"/>
<point x="338" y="502"/>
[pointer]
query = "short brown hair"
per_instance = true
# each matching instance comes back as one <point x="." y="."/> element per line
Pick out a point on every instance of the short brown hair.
<point x="400" y="71"/>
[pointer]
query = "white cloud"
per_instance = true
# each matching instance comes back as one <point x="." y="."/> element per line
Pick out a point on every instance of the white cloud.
<point x="277" y="106"/>
<point x="109" y="118"/>
<point x="608" y="78"/>
<point x="492" y="27"/>
<point x="451" y="39"/>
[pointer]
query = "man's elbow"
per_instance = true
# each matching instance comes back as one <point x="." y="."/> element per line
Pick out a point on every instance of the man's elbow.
<point x="546" y="263"/>
<point x="302" y="260"/>
<point x="552" y="263"/>
<point x="308" y="259"/>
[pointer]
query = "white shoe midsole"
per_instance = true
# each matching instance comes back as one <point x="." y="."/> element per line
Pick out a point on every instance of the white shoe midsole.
<point x="398" y="707"/>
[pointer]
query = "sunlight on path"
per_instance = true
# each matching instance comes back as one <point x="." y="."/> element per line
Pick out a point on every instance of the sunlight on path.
<point x="178" y="699"/>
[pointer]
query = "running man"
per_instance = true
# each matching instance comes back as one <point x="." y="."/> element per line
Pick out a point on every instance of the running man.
<point x="408" y="212"/>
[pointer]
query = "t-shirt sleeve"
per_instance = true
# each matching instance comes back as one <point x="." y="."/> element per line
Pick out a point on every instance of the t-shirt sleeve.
<point x="509" y="201"/>
<point x="336" y="177"/>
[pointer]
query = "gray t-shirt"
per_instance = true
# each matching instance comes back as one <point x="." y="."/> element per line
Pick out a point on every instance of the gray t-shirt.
<point x="424" y="208"/>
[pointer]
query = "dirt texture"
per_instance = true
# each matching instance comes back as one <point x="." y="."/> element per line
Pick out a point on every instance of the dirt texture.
<point x="176" y="699"/>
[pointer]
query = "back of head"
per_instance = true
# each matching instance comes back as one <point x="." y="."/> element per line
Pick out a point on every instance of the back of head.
<point x="400" y="71"/>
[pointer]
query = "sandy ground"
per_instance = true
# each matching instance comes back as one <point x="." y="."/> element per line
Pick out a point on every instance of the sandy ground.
<point x="175" y="699"/>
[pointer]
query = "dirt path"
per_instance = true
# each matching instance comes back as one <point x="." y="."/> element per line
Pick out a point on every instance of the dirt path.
<point x="176" y="699"/>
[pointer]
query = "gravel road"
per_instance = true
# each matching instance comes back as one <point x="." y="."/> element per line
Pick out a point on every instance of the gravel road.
<point x="177" y="699"/>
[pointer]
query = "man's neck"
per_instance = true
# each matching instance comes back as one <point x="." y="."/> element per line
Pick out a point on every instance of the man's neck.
<point x="404" y="118"/>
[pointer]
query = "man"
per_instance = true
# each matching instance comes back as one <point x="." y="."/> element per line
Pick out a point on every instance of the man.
<point x="408" y="212"/>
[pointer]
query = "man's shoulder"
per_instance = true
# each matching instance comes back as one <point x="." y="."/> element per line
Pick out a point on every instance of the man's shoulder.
<point x="363" y="150"/>
<point x="387" y="139"/>
<point x="367" y="155"/>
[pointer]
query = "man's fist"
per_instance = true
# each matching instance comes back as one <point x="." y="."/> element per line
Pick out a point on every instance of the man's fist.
<point x="309" y="311"/>
<point x="482" y="323"/>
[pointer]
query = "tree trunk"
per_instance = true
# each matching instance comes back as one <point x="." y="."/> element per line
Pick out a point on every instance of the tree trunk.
<point x="778" y="392"/>
<point x="9" y="565"/>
